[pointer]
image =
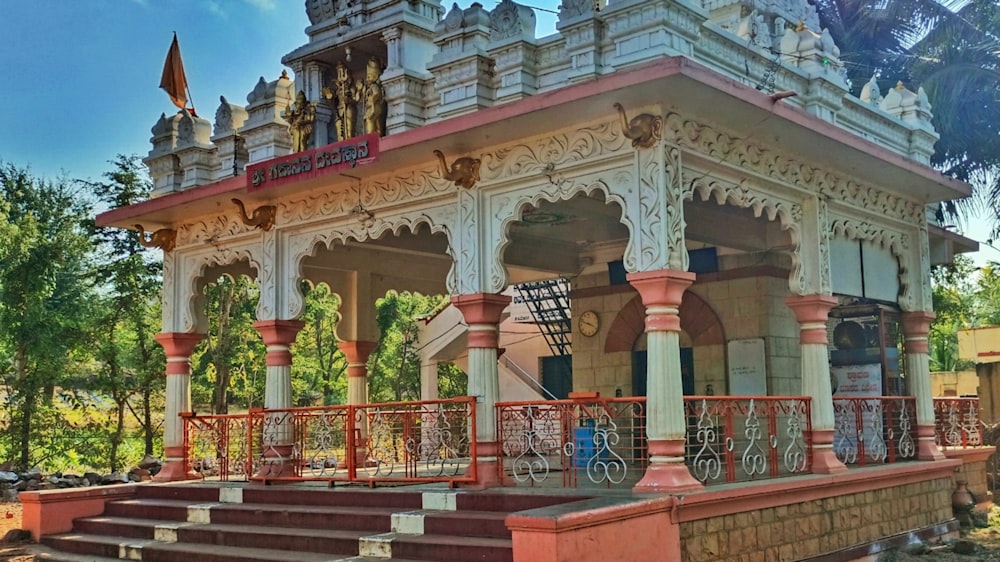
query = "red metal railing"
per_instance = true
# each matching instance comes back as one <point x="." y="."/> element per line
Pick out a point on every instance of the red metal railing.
<point x="592" y="441"/>
<point x="429" y="441"/>
<point x="875" y="429"/>
<point x="741" y="438"/>
<point x="957" y="423"/>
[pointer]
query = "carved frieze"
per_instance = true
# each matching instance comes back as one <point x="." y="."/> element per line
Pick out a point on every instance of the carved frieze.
<point x="723" y="147"/>
<point x="557" y="150"/>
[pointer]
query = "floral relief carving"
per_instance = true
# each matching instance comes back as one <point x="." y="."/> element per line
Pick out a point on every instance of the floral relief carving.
<point x="169" y="300"/>
<point x="678" y="257"/>
<point x="468" y="241"/>
<point x="211" y="230"/>
<point x="267" y="278"/>
<point x="723" y="147"/>
<point x="651" y="208"/>
<point x="556" y="150"/>
<point x="897" y="243"/>
<point x="823" y="210"/>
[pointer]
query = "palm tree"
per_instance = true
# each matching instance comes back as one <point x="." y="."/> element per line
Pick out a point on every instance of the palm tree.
<point x="951" y="48"/>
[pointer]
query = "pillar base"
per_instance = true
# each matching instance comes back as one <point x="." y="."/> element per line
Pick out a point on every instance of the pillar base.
<point x="668" y="477"/>
<point x="825" y="461"/>
<point x="666" y="471"/>
<point x="173" y="469"/>
<point x="927" y="449"/>
<point x="488" y="475"/>
<point x="277" y="464"/>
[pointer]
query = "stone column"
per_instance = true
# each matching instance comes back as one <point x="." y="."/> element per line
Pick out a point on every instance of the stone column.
<point x="661" y="292"/>
<point x="811" y="312"/>
<point x="482" y="314"/>
<point x="178" y="347"/>
<point x="357" y="353"/>
<point x="915" y="344"/>
<point x="278" y="335"/>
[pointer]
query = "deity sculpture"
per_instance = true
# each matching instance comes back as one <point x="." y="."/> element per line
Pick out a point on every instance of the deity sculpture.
<point x="373" y="98"/>
<point x="301" y="116"/>
<point x="344" y="96"/>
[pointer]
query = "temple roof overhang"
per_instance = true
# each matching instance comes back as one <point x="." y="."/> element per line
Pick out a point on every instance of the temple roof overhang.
<point x="680" y="85"/>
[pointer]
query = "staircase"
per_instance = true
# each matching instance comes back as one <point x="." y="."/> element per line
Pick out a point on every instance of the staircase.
<point x="219" y="523"/>
<point x="548" y="301"/>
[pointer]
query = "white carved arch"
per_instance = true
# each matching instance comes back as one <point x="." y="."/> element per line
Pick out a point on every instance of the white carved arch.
<point x="511" y="207"/>
<point x="787" y="213"/>
<point x="191" y="315"/>
<point x="307" y="243"/>
<point x="897" y="243"/>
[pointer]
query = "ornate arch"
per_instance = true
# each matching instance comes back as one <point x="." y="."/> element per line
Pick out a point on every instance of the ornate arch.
<point x="787" y="213"/>
<point x="897" y="243"/>
<point x="511" y="209"/>
<point x="193" y="268"/>
<point x="698" y="320"/>
<point x="305" y="244"/>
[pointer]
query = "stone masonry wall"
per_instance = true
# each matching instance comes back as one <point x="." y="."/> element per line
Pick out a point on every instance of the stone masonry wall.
<point x="802" y="530"/>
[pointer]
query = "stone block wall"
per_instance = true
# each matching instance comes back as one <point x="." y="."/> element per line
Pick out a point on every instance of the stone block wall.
<point x="802" y="530"/>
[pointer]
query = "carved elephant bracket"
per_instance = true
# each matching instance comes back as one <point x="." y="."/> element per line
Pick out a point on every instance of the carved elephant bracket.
<point x="643" y="129"/>
<point x="164" y="238"/>
<point x="463" y="171"/>
<point x="262" y="217"/>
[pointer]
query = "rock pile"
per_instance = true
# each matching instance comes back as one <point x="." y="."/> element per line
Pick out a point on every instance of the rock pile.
<point x="13" y="482"/>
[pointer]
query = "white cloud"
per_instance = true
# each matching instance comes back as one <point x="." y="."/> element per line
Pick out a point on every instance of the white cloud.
<point x="264" y="5"/>
<point x="216" y="8"/>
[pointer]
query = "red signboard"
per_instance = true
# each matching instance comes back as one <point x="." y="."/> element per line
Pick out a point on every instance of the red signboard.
<point x="312" y="163"/>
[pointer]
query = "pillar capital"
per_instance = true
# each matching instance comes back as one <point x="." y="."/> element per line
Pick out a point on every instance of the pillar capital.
<point x="482" y="313"/>
<point x="278" y="335"/>
<point x="661" y="292"/>
<point x="916" y="325"/>
<point x="812" y="312"/>
<point x="179" y="344"/>
<point x="357" y="353"/>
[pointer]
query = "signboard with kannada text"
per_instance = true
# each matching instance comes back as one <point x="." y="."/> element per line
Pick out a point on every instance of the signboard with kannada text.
<point x="332" y="158"/>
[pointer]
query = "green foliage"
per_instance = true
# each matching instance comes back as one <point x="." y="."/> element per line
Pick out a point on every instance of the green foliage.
<point x="964" y="297"/>
<point x="320" y="367"/>
<point x="394" y="368"/>
<point x="46" y="298"/>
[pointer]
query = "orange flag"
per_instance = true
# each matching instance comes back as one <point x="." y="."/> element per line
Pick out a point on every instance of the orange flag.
<point x="173" y="79"/>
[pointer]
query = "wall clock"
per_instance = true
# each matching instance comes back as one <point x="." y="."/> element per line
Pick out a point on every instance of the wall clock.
<point x="589" y="323"/>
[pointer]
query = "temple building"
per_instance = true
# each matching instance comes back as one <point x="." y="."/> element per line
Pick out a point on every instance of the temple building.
<point x="727" y="252"/>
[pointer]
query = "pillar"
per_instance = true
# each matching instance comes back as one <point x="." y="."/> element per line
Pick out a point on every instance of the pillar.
<point x="811" y="312"/>
<point x="178" y="347"/>
<point x="915" y="345"/>
<point x="482" y="315"/>
<point x="357" y="353"/>
<point x="278" y="336"/>
<point x="666" y="428"/>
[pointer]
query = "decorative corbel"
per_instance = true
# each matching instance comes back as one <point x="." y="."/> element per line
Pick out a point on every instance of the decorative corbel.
<point x="262" y="217"/>
<point x="463" y="171"/>
<point x="643" y="129"/>
<point x="164" y="238"/>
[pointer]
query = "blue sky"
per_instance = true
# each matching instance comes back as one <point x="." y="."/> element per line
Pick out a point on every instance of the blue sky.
<point x="81" y="77"/>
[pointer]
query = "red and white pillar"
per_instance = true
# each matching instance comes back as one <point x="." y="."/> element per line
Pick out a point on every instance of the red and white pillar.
<point x="812" y="312"/>
<point x="916" y="325"/>
<point x="178" y="347"/>
<point x="357" y="353"/>
<point x="661" y="292"/>
<point x="278" y="336"/>
<point x="482" y="315"/>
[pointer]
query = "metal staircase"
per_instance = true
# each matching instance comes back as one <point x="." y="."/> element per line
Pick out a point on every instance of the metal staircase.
<point x="548" y="302"/>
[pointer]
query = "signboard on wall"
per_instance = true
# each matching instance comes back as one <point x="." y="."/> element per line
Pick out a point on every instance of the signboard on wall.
<point x="329" y="159"/>
<point x="747" y="367"/>
<point x="857" y="380"/>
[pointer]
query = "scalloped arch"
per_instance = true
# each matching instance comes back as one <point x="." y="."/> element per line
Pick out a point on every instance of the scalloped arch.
<point x="309" y="245"/>
<point x="788" y="215"/>
<point x="698" y="320"/>
<point x="522" y="202"/>
<point x="194" y="270"/>
<point x="896" y="243"/>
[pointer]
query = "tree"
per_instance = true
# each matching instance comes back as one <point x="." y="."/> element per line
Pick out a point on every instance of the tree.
<point x="131" y="361"/>
<point x="46" y="293"/>
<point x="394" y="369"/>
<point x="951" y="49"/>
<point x="319" y="365"/>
